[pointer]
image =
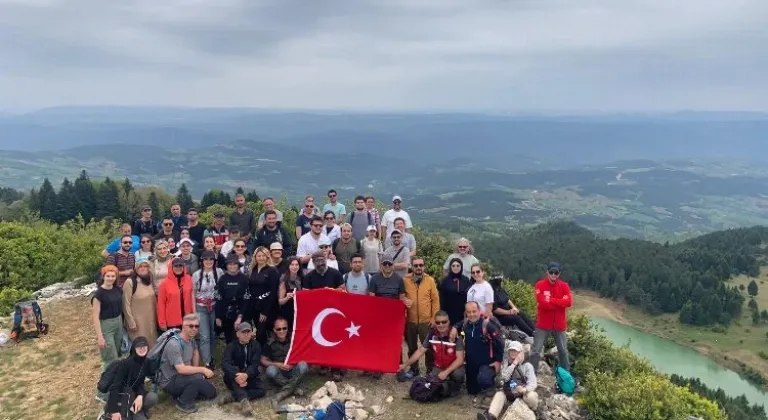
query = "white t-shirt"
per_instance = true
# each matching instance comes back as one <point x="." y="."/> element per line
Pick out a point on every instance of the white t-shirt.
<point x="481" y="293"/>
<point x="328" y="263"/>
<point x="389" y="217"/>
<point x="308" y="245"/>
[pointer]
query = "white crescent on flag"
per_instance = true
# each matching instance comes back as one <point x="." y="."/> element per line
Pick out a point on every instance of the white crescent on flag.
<point x="317" y="325"/>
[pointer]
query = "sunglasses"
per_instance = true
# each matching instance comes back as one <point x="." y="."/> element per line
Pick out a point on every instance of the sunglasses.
<point x="418" y="265"/>
<point x="332" y="195"/>
<point x="329" y="218"/>
<point x="239" y="246"/>
<point x="309" y="206"/>
<point x="146" y="242"/>
<point x="167" y="224"/>
<point x="554" y="272"/>
<point x="441" y="322"/>
<point x="128" y="243"/>
<point x="386" y="263"/>
<point x="193" y="325"/>
<point x="315" y="225"/>
<point x="476" y="272"/>
<point x="281" y="329"/>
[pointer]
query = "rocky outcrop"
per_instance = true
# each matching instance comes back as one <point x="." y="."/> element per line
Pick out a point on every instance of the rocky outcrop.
<point x="559" y="407"/>
<point x="352" y="398"/>
<point x="65" y="290"/>
<point x="519" y="411"/>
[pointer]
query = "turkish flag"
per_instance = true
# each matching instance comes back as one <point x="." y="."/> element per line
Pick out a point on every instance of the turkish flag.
<point x="347" y="331"/>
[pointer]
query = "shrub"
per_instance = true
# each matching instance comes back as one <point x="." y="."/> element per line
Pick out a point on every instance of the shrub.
<point x="643" y="396"/>
<point x="523" y="295"/>
<point x="9" y="296"/>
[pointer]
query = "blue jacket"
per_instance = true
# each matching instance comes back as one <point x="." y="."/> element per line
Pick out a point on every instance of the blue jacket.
<point x="114" y="246"/>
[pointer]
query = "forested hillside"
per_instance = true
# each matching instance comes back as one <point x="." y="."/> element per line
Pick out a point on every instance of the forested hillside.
<point x="657" y="277"/>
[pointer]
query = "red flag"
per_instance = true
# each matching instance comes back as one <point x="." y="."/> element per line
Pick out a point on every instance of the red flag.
<point x="347" y="331"/>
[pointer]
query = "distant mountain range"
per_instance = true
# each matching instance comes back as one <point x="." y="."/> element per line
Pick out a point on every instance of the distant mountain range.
<point x="672" y="175"/>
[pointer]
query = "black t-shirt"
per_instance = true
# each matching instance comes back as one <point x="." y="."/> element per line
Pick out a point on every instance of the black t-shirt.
<point x="391" y="287"/>
<point x="111" y="302"/>
<point x="196" y="234"/>
<point x="501" y="299"/>
<point x="332" y="278"/>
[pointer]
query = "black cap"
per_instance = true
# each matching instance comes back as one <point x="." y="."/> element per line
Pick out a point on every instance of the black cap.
<point x="208" y="255"/>
<point x="218" y="214"/>
<point x="140" y="342"/>
<point x="233" y="259"/>
<point x="145" y="208"/>
<point x="178" y="262"/>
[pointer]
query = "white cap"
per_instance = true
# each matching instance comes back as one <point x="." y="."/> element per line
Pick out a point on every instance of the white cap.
<point x="371" y="228"/>
<point x="186" y="241"/>
<point x="513" y="345"/>
<point x="324" y="241"/>
<point x="397" y="197"/>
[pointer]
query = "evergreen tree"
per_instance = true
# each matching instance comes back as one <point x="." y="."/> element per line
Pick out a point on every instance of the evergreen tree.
<point x="752" y="288"/>
<point x="764" y="315"/>
<point x="129" y="199"/>
<point x="752" y="304"/>
<point x="108" y="200"/>
<point x="66" y="202"/>
<point x="184" y="199"/>
<point x="206" y="201"/>
<point x="153" y="202"/>
<point x="45" y="204"/>
<point x="755" y="318"/>
<point x="686" y="313"/>
<point x="86" y="196"/>
<point x="239" y="190"/>
<point x="252" y="197"/>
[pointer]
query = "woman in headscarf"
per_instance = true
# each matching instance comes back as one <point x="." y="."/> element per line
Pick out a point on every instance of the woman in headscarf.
<point x="453" y="291"/>
<point x="107" y="315"/>
<point x="128" y="385"/>
<point x="140" y="303"/>
<point x="506" y="312"/>
<point x="160" y="262"/>
<point x="290" y="283"/>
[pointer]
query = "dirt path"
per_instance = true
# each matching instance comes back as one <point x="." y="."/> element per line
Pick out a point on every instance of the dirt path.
<point x="54" y="377"/>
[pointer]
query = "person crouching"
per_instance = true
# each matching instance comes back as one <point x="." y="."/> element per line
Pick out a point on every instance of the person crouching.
<point x="241" y="369"/>
<point x="518" y="380"/>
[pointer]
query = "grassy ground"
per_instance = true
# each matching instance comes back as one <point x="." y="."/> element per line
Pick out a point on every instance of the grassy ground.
<point x="54" y="377"/>
<point x="741" y="341"/>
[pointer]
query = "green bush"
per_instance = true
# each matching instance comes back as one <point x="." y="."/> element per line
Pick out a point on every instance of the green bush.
<point x="10" y="296"/>
<point x="523" y="295"/>
<point x="643" y="396"/>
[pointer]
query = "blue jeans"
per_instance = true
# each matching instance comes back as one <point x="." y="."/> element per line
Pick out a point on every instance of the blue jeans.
<point x="301" y="368"/>
<point x="207" y="335"/>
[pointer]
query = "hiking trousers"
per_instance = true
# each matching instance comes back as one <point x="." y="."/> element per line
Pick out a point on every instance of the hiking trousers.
<point x="188" y="388"/>
<point x="415" y="334"/>
<point x="112" y="330"/>
<point x="561" y="341"/>
<point x="455" y="379"/>
<point x="253" y="388"/>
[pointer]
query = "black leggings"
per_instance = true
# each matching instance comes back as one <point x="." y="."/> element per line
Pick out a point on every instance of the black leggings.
<point x="521" y="321"/>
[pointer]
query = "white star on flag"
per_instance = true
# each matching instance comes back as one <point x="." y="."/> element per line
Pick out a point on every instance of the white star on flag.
<point x="353" y="329"/>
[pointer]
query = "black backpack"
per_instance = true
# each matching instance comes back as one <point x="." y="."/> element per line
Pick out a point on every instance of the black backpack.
<point x="352" y="217"/>
<point x="427" y="389"/>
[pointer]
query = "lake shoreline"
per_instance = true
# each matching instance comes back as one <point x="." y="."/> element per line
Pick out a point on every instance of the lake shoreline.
<point x="591" y="304"/>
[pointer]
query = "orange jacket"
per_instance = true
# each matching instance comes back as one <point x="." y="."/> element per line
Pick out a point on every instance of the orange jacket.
<point x="426" y="299"/>
<point x="171" y="305"/>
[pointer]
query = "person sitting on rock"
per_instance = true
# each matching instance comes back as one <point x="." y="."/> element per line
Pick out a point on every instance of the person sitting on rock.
<point x="484" y="348"/>
<point x="128" y="386"/>
<point x="240" y="364"/>
<point x="518" y="380"/>
<point x="285" y="376"/>
<point x="448" y="357"/>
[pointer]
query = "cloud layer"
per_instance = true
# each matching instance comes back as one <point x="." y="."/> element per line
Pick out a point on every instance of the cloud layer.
<point x="487" y="55"/>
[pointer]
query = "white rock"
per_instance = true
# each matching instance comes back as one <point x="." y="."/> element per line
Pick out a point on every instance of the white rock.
<point x="418" y="415"/>
<point x="519" y="411"/>
<point x="376" y="410"/>
<point x="333" y="390"/>
<point x="359" y="396"/>
<point x="320" y="393"/>
<point x="323" y="403"/>
<point x="351" y="405"/>
<point x="544" y="368"/>
<point x="360" y="414"/>
<point x="390" y="399"/>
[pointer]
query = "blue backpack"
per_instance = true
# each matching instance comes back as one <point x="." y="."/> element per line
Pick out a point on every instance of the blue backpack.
<point x="335" y="411"/>
<point x="565" y="382"/>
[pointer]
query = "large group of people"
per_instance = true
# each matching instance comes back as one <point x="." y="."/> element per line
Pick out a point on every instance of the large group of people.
<point x="234" y="281"/>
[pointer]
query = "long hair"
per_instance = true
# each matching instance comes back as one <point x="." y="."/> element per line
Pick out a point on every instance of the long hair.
<point x="262" y="250"/>
<point x="287" y="275"/>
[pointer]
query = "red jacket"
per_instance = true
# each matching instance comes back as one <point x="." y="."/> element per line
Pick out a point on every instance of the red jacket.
<point x="170" y="306"/>
<point x="553" y="300"/>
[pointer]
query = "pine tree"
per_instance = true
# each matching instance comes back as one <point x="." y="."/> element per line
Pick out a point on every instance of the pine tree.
<point x="153" y="202"/>
<point x="184" y="199"/>
<point x="764" y="315"/>
<point x="108" y="200"/>
<point x="752" y="304"/>
<point x="252" y="197"/>
<point x="752" y="288"/>
<point x="86" y="196"/>
<point x="45" y="204"/>
<point x="66" y="202"/>
<point x="206" y="201"/>
<point x="129" y="199"/>
<point x="239" y="190"/>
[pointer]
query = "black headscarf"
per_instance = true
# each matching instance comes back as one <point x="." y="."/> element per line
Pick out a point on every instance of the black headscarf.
<point x="453" y="292"/>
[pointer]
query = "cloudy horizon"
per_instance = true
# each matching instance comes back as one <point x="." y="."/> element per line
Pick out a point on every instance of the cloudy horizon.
<point x="400" y="55"/>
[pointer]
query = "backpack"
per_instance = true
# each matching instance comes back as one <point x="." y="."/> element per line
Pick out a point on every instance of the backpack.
<point x="336" y="411"/>
<point x="28" y="321"/>
<point x="352" y="217"/>
<point x="565" y="383"/>
<point x="487" y="337"/>
<point x="336" y="243"/>
<point x="108" y="377"/>
<point x="367" y="279"/>
<point x="155" y="354"/>
<point x="427" y="389"/>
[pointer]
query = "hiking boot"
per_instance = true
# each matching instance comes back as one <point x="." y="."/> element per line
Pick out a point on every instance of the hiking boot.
<point x="283" y="394"/>
<point x="246" y="408"/>
<point x="225" y="398"/>
<point x="189" y="409"/>
<point x="485" y="415"/>
<point x="280" y="380"/>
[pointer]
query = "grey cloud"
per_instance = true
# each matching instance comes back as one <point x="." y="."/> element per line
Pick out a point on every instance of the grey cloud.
<point x="418" y="54"/>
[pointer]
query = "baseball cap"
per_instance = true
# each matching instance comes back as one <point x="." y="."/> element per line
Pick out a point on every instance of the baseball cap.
<point x="324" y="241"/>
<point x="397" y="198"/>
<point x="244" y="326"/>
<point x="208" y="255"/>
<point x="386" y="258"/>
<point x="141" y="260"/>
<point x="186" y="241"/>
<point x="396" y="232"/>
<point x="145" y="208"/>
<point x="276" y="245"/>
<point x="513" y="345"/>
<point x="232" y="259"/>
<point x="178" y="262"/>
<point x="370" y="228"/>
<point x="218" y="214"/>
<point x="554" y="266"/>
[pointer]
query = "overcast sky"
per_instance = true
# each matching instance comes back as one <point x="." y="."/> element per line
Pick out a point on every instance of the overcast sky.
<point x="486" y="55"/>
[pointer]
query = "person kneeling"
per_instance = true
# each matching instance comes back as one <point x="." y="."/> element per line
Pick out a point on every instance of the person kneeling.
<point x="241" y="369"/>
<point x="181" y="375"/>
<point x="127" y="396"/>
<point x="518" y="380"/>
<point x="448" y="357"/>
<point x="285" y="376"/>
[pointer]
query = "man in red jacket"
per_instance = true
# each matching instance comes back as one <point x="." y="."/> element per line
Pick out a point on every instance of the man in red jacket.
<point x="553" y="297"/>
